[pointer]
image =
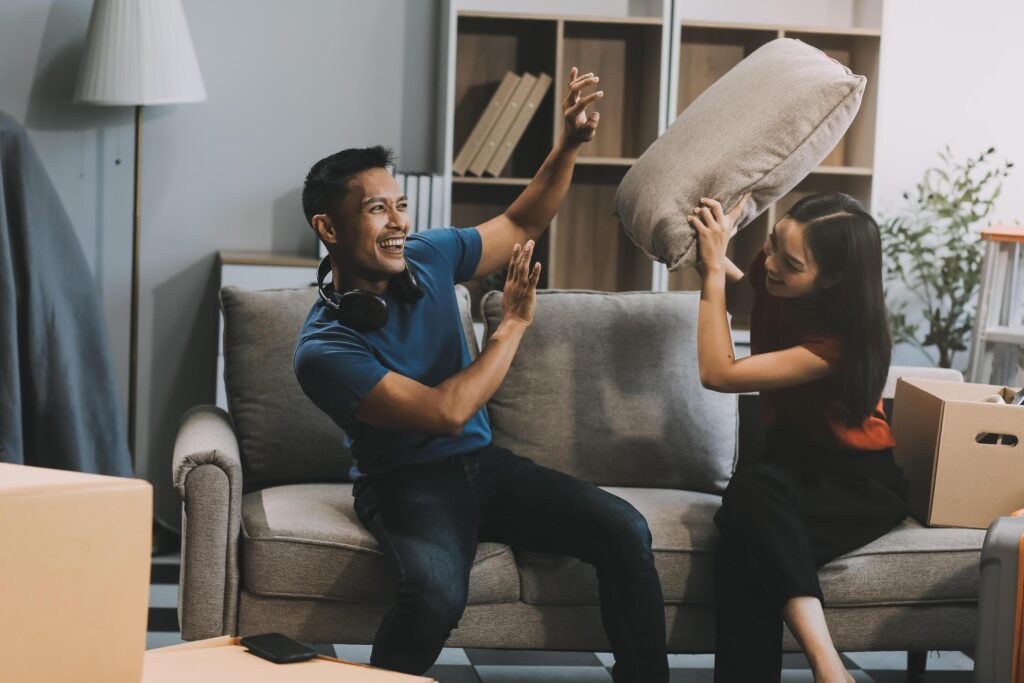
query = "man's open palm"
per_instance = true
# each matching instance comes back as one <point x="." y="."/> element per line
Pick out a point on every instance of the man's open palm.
<point x="579" y="125"/>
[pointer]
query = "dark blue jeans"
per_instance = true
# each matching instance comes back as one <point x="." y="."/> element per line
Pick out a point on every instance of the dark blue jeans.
<point x="428" y="520"/>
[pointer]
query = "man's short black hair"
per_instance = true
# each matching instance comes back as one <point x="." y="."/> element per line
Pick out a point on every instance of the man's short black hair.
<point x="326" y="182"/>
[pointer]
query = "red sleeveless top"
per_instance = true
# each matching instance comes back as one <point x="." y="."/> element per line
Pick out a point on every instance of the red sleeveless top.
<point x="812" y="409"/>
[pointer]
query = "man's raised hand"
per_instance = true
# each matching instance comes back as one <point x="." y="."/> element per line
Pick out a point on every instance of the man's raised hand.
<point x="521" y="284"/>
<point x="579" y="125"/>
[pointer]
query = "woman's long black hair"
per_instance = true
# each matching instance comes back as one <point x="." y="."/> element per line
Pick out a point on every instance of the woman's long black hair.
<point x="844" y="240"/>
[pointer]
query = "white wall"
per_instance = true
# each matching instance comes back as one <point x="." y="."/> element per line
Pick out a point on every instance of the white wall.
<point x="950" y="73"/>
<point x="791" y="12"/>
<point x="288" y="83"/>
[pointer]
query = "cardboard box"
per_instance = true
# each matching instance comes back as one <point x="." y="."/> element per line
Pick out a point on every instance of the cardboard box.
<point x="222" y="659"/>
<point x="74" y="575"/>
<point x="956" y="479"/>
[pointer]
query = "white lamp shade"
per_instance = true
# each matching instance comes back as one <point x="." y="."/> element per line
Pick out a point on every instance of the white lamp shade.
<point x="139" y="52"/>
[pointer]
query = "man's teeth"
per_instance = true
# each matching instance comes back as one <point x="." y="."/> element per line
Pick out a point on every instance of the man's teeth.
<point x="392" y="243"/>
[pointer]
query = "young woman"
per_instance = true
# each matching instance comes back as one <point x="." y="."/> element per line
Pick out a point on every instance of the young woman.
<point x="820" y="350"/>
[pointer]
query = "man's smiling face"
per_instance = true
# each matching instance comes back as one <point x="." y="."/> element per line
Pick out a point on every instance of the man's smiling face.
<point x="373" y="225"/>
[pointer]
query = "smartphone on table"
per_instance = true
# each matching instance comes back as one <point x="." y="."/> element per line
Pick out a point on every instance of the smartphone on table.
<point x="278" y="648"/>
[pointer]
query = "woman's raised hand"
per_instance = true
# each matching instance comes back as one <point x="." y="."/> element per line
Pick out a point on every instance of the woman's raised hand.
<point x="715" y="228"/>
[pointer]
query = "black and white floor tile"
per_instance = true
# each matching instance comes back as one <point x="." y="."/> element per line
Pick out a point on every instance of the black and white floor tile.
<point x="470" y="665"/>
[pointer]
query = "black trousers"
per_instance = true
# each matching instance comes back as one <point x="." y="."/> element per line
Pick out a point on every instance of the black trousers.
<point x="428" y="520"/>
<point x="781" y="518"/>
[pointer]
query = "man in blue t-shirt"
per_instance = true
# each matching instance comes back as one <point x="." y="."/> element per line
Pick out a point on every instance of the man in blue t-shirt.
<point x="384" y="354"/>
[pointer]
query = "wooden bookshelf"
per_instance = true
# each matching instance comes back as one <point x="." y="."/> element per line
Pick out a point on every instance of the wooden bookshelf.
<point x="487" y="48"/>
<point x="650" y="71"/>
<point x="584" y="247"/>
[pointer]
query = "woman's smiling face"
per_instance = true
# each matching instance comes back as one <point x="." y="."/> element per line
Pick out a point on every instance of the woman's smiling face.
<point x="791" y="271"/>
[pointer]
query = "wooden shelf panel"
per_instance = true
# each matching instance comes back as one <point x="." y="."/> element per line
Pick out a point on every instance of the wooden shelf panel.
<point x="627" y="58"/>
<point x="707" y="53"/>
<point x="486" y="49"/>
<point x="783" y="28"/>
<point x="605" y="161"/>
<point x="473" y="180"/>
<point x="591" y="251"/>
<point x="624" y="21"/>
<point x="844" y="170"/>
<point x="860" y="54"/>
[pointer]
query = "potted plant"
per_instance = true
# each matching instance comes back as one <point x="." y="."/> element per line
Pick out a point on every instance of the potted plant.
<point x="933" y="253"/>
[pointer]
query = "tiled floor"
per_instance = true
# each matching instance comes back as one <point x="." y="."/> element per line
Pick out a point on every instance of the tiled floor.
<point x="457" y="665"/>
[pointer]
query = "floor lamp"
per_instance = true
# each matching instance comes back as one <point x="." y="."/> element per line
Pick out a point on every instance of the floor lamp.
<point x="138" y="53"/>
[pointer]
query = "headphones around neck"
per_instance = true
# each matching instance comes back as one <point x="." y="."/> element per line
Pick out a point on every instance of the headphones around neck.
<point x="363" y="310"/>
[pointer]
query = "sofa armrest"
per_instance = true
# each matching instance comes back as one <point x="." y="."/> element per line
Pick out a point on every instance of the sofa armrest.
<point x="207" y="473"/>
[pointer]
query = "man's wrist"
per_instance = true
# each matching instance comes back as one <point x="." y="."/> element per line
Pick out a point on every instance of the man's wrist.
<point x="513" y="324"/>
<point x="568" y="144"/>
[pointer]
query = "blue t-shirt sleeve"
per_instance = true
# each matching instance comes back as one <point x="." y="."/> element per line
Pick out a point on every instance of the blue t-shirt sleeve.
<point x="458" y="248"/>
<point x="337" y="372"/>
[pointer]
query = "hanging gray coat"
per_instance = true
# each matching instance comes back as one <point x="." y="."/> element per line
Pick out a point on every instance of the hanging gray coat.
<point x="59" y="406"/>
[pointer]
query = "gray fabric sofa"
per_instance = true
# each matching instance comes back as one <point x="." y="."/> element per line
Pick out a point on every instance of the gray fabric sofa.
<point x="604" y="387"/>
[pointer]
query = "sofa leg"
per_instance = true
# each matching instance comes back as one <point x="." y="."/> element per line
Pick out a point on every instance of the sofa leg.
<point x="917" y="664"/>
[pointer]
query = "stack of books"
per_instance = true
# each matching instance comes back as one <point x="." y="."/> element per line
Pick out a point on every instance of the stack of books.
<point x="498" y="131"/>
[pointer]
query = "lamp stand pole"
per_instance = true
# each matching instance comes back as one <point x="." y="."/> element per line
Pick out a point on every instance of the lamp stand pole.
<point x="133" y="356"/>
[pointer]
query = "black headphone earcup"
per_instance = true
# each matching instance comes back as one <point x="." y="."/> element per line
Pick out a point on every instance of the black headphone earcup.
<point x="406" y="285"/>
<point x="362" y="310"/>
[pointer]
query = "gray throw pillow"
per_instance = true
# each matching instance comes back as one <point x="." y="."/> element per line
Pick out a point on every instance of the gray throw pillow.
<point x="606" y="387"/>
<point x="761" y="128"/>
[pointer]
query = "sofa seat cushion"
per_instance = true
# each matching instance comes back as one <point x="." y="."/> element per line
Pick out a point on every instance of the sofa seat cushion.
<point x="910" y="564"/>
<point x="305" y="541"/>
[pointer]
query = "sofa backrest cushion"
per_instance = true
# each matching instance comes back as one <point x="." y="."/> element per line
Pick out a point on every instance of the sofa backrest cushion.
<point x="762" y="127"/>
<point x="606" y="387"/>
<point x="284" y="438"/>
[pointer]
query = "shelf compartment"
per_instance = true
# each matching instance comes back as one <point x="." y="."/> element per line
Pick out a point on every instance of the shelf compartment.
<point x="591" y="251"/>
<point x="486" y="48"/>
<point x="627" y="58"/>
<point x="857" y="186"/>
<point x="708" y="53"/>
<point x="860" y="54"/>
